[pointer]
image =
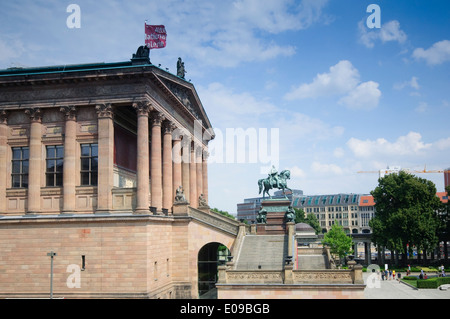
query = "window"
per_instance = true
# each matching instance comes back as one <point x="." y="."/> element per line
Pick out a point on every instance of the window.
<point x="89" y="164"/>
<point x="54" y="164"/>
<point x="19" y="173"/>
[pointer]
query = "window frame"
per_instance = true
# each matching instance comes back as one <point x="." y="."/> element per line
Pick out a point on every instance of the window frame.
<point x="90" y="172"/>
<point x="20" y="161"/>
<point x="57" y="175"/>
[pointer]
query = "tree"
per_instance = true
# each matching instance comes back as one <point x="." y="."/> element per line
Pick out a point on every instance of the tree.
<point x="309" y="219"/>
<point x="340" y="244"/>
<point x="406" y="208"/>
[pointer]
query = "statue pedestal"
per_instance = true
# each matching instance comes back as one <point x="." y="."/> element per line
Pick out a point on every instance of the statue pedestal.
<point x="275" y="221"/>
<point x="180" y="209"/>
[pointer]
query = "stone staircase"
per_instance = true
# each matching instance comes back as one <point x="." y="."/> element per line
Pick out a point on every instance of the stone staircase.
<point x="266" y="252"/>
<point x="312" y="259"/>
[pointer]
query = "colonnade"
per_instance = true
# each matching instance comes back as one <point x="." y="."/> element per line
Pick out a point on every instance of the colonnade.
<point x="161" y="167"/>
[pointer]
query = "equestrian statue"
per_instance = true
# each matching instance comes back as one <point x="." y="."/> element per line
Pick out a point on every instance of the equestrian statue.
<point x="274" y="180"/>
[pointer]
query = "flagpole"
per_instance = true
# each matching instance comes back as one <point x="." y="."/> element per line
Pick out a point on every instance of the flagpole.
<point x="145" y="26"/>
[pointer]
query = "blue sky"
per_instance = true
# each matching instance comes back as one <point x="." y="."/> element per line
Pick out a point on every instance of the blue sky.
<point x="342" y="96"/>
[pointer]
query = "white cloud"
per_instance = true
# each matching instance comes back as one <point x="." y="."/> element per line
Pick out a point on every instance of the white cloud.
<point x="390" y="31"/>
<point x="228" y="33"/>
<point x="342" y="78"/>
<point x="438" y="53"/>
<point x="409" y="145"/>
<point x="413" y="83"/>
<point x="320" y="168"/>
<point x="364" y="97"/>
<point x="233" y="109"/>
<point x="300" y="126"/>
<point x="297" y="172"/>
<point x="278" y="16"/>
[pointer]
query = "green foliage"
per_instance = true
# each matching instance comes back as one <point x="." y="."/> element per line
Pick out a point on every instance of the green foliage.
<point x="224" y="213"/>
<point x="406" y="208"/>
<point x="309" y="219"/>
<point x="410" y="278"/>
<point x="340" y="244"/>
<point x="433" y="283"/>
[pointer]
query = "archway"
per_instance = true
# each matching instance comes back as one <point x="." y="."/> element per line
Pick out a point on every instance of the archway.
<point x="210" y="257"/>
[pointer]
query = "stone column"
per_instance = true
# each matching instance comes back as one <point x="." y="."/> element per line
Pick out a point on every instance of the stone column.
<point x="35" y="161"/>
<point x="105" y="157"/>
<point x="199" y="166"/>
<point x="3" y="158"/>
<point x="205" y="175"/>
<point x="193" y="197"/>
<point x="167" y="166"/>
<point x="156" y="166"/>
<point x="142" y="167"/>
<point x="70" y="144"/>
<point x="185" y="167"/>
<point x="177" y="172"/>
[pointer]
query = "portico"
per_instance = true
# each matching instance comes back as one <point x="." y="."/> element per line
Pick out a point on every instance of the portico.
<point x="148" y="111"/>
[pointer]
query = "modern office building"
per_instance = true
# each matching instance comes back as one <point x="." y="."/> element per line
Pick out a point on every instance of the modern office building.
<point x="343" y="209"/>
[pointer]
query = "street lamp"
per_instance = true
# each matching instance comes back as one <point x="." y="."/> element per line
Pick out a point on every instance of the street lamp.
<point x="51" y="254"/>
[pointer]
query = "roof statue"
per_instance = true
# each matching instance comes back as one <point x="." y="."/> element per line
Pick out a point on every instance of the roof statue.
<point x="274" y="180"/>
<point x="142" y="52"/>
<point x="181" y="71"/>
<point x="142" y="55"/>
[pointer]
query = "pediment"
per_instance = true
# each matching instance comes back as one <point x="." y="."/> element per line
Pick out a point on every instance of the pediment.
<point x="188" y="97"/>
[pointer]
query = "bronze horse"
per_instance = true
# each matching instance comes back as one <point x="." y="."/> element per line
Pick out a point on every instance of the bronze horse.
<point x="269" y="183"/>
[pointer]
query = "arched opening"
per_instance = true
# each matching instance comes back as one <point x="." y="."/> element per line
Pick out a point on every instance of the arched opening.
<point x="210" y="257"/>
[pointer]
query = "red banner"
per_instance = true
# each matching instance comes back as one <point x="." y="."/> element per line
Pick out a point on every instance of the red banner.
<point x="155" y="36"/>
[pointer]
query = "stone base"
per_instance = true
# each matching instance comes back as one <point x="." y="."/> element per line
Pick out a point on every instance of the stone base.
<point x="204" y="209"/>
<point x="275" y="223"/>
<point x="180" y="209"/>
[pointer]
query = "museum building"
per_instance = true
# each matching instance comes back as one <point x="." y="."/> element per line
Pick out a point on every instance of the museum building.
<point x="92" y="157"/>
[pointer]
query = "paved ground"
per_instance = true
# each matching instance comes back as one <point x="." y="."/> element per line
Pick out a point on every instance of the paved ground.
<point x="392" y="289"/>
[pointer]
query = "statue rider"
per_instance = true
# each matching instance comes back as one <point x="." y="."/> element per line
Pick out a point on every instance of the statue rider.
<point x="273" y="176"/>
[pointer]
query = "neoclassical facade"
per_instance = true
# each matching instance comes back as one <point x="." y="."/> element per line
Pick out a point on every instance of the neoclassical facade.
<point x="100" y="138"/>
<point x="104" y="165"/>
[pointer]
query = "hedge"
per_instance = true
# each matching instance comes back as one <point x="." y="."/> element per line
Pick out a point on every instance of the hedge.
<point x="410" y="278"/>
<point x="433" y="282"/>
